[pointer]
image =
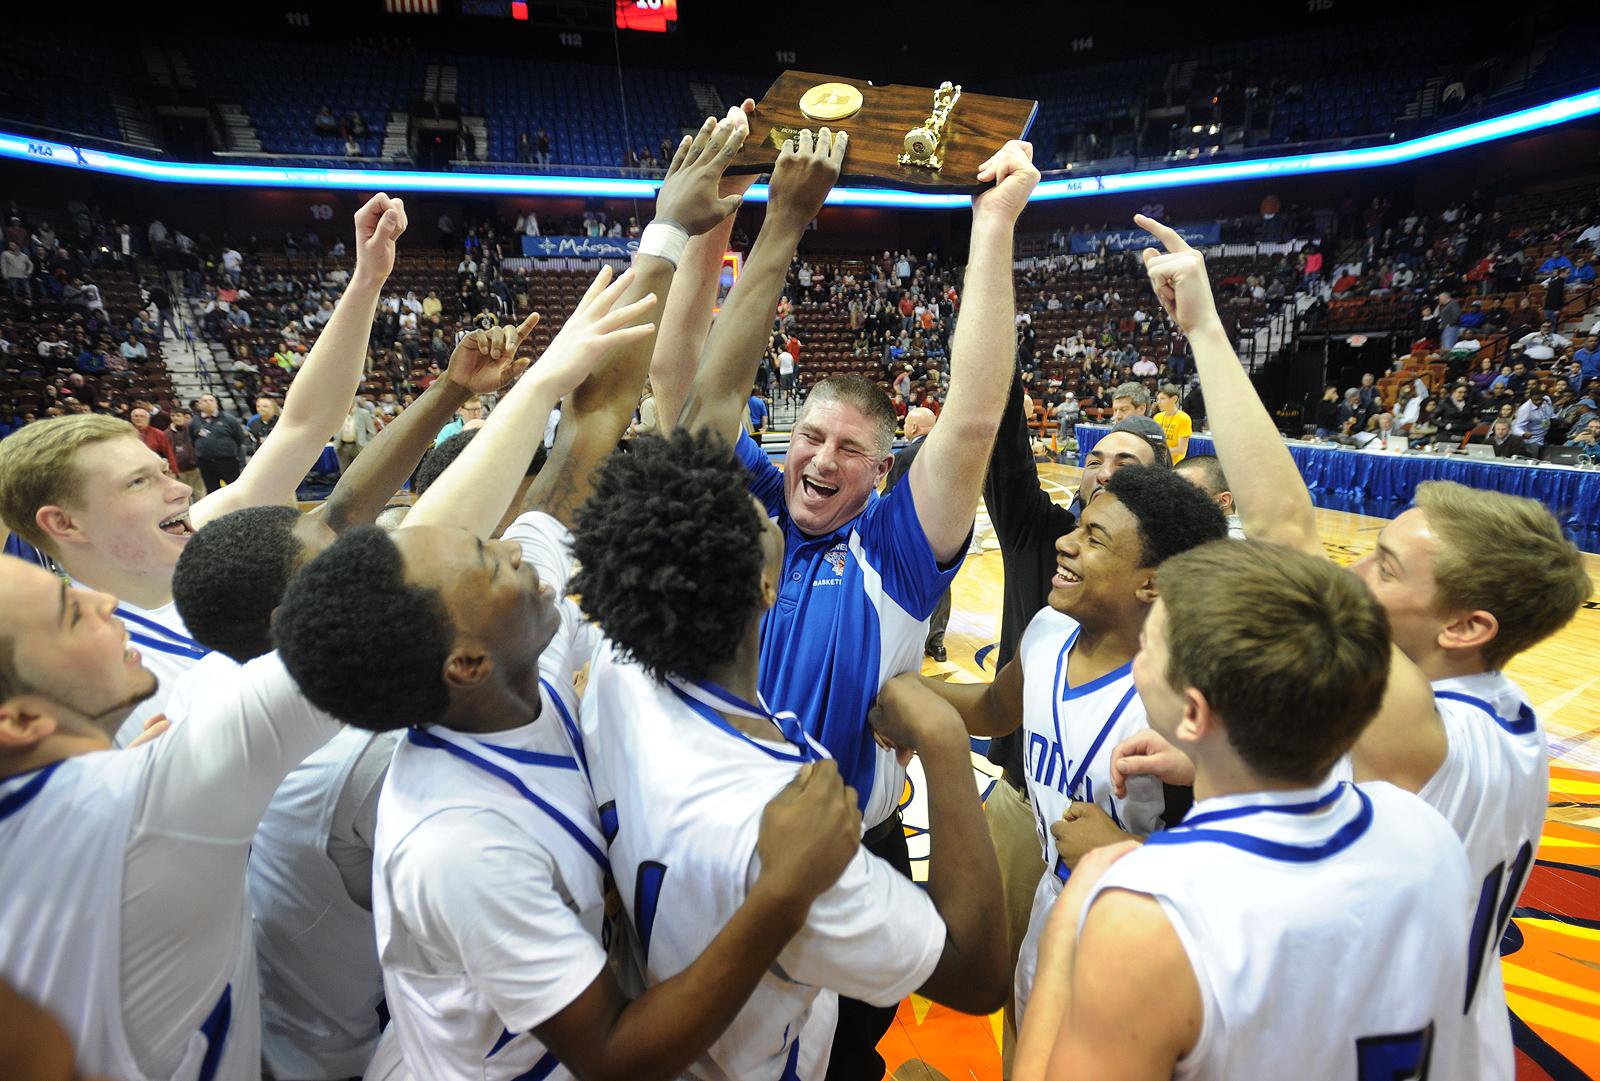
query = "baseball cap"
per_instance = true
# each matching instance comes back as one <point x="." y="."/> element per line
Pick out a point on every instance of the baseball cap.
<point x="1151" y="433"/>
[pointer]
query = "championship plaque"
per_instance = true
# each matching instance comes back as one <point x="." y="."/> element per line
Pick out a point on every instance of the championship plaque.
<point x="915" y="138"/>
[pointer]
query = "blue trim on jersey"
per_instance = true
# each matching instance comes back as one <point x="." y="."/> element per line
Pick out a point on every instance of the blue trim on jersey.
<point x="535" y="758"/>
<point x="505" y="1037"/>
<point x="146" y="642"/>
<point x="1309" y="807"/>
<point x="1346" y="836"/>
<point x="167" y="640"/>
<point x="428" y="740"/>
<point x="1068" y="693"/>
<point x="542" y="1069"/>
<point x="215" y="1030"/>
<point x="566" y="722"/>
<point x="1526" y="723"/>
<point x="19" y="798"/>
<point x="715" y="719"/>
<point x="791" y="1065"/>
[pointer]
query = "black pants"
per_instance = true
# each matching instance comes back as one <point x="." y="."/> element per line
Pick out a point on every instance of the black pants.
<point x="940" y="620"/>
<point x="218" y="471"/>
<point x="860" y="1027"/>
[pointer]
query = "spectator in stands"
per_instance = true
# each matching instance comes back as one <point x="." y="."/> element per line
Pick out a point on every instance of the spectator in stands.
<point x="1353" y="412"/>
<point x="357" y="431"/>
<point x="1555" y="294"/>
<point x="219" y="444"/>
<point x="1449" y="313"/>
<point x="1506" y="443"/>
<point x="1175" y="423"/>
<point x="471" y="412"/>
<point x="17" y="269"/>
<point x="233" y="265"/>
<point x="183" y="451"/>
<point x="541" y="147"/>
<point x="1583" y="273"/>
<point x="1455" y="417"/>
<point x="1533" y="416"/>
<point x="1556" y="263"/>
<point x="266" y="419"/>
<point x="1129" y="399"/>
<point x="1588" y="439"/>
<point x="133" y="350"/>
<point x="1327" y="416"/>
<point x="154" y="438"/>
<point x="325" y="123"/>
<point x="1542" y="344"/>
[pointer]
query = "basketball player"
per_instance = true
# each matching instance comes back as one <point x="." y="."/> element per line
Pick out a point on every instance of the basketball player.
<point x="1292" y="925"/>
<point x="310" y="868"/>
<point x="1462" y="603"/>
<point x="679" y="563"/>
<point x="138" y="856"/>
<point x="1070" y="687"/>
<point x="87" y="491"/>
<point x="489" y="864"/>
<point x="862" y="573"/>
<point x="311" y="865"/>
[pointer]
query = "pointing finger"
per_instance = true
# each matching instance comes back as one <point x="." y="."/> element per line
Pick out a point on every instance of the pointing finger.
<point x="1169" y="237"/>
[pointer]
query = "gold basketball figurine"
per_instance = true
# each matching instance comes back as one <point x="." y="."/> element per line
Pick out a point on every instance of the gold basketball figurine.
<point x="924" y="145"/>
<point x="830" y="101"/>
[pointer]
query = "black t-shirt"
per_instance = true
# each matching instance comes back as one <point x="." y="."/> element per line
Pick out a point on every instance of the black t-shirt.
<point x="1027" y="523"/>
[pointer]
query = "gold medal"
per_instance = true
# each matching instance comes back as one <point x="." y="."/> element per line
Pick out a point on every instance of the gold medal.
<point x="830" y="101"/>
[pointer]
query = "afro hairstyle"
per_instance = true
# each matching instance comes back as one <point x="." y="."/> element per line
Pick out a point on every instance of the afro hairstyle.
<point x="1173" y="514"/>
<point x="437" y="460"/>
<point x="363" y="643"/>
<point x="669" y="550"/>
<point x="232" y="574"/>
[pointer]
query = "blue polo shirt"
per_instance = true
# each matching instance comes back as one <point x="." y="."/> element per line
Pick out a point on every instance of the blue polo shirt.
<point x="852" y="612"/>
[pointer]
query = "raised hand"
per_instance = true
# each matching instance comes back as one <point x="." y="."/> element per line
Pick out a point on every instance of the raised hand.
<point x="1147" y="754"/>
<point x="486" y="360"/>
<point x="595" y="328"/>
<point x="739" y="117"/>
<point x="1178" y="277"/>
<point x="806" y="170"/>
<point x="809" y="833"/>
<point x="378" y="225"/>
<point x="1014" y="175"/>
<point x="689" y="195"/>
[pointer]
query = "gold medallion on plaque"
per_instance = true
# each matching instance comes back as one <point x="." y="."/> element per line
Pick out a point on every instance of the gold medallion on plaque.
<point x="830" y="101"/>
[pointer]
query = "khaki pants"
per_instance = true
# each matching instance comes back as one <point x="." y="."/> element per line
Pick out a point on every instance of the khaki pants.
<point x="1016" y="844"/>
<point x="192" y="478"/>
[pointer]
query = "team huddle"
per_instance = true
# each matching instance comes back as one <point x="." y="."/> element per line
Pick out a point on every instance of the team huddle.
<point x="588" y="764"/>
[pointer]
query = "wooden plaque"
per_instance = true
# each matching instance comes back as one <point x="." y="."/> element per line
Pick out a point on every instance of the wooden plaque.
<point x="978" y="126"/>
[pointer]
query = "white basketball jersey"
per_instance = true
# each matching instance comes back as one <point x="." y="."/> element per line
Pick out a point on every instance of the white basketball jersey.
<point x="1323" y="930"/>
<point x="545" y="936"/>
<point x="166" y="650"/>
<point x="682" y="792"/>
<point x="448" y="1024"/>
<point x="1493" y="788"/>
<point x="1070" y="733"/>
<point x="64" y="830"/>
<point x="321" y="986"/>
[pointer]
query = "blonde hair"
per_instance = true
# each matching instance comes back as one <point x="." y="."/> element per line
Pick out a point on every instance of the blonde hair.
<point x="1290" y="650"/>
<point x="1507" y="556"/>
<point x="38" y="468"/>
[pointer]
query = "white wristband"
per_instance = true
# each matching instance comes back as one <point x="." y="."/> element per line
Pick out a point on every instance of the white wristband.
<point x="665" y="240"/>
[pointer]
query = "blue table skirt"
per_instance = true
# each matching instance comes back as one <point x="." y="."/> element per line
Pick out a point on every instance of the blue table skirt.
<point x="1383" y="484"/>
